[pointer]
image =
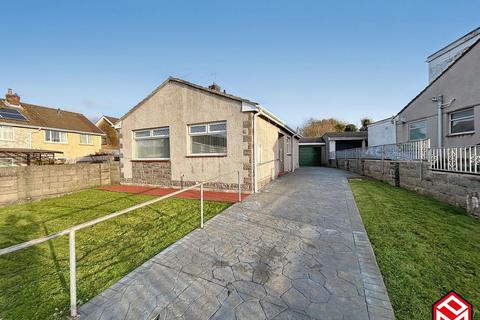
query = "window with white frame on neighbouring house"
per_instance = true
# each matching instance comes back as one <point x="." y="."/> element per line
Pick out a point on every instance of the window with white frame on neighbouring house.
<point x="208" y="138"/>
<point x="152" y="143"/>
<point x="417" y="130"/>
<point x="55" y="136"/>
<point x="289" y="145"/>
<point x="461" y="121"/>
<point x="85" y="139"/>
<point x="6" y="133"/>
<point x="6" y="162"/>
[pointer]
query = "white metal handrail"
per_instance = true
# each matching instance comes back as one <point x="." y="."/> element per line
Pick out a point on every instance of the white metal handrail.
<point x="71" y="232"/>
<point x="415" y="150"/>
<point x="268" y="161"/>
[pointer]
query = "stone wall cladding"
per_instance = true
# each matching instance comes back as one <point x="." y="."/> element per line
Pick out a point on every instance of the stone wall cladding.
<point x="461" y="190"/>
<point x="247" y="152"/>
<point x="158" y="174"/>
<point x="152" y="173"/>
<point x="20" y="184"/>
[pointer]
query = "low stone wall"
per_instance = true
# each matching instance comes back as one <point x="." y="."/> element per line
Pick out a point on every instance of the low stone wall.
<point x="461" y="190"/>
<point x="159" y="173"/>
<point x="19" y="184"/>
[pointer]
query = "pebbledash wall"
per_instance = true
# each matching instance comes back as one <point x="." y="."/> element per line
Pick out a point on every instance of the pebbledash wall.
<point x="461" y="190"/>
<point x="20" y="184"/>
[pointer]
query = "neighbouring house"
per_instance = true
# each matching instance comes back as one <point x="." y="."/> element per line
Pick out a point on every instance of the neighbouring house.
<point x="311" y="151"/>
<point x="110" y="141"/>
<point x="382" y="132"/>
<point x="447" y="111"/>
<point x="336" y="141"/>
<point x="32" y="134"/>
<point x="184" y="133"/>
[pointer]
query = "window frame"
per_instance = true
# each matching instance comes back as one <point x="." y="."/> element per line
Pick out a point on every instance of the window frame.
<point x="416" y="122"/>
<point x="450" y="133"/>
<point x="206" y="132"/>
<point x="149" y="137"/>
<point x="90" y="141"/>
<point x="289" y="146"/>
<point x="2" y="133"/>
<point x="50" y="136"/>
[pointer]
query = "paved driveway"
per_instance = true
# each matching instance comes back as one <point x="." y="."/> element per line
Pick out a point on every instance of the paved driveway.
<point x="296" y="250"/>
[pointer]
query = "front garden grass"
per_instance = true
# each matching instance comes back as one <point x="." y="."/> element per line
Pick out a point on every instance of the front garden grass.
<point x="425" y="248"/>
<point x="34" y="281"/>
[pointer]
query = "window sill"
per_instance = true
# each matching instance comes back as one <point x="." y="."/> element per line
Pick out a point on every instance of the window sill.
<point x="206" y="156"/>
<point x="50" y="142"/>
<point x="150" y="160"/>
<point x="86" y="144"/>
<point x="460" y="134"/>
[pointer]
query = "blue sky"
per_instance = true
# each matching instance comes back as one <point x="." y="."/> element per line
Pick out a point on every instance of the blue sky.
<point x="300" y="59"/>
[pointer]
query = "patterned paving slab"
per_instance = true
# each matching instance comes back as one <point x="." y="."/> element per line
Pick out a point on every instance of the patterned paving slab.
<point x="296" y="250"/>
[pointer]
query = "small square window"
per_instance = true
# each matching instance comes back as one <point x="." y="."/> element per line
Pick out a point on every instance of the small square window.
<point x="462" y="122"/>
<point x="417" y="130"/>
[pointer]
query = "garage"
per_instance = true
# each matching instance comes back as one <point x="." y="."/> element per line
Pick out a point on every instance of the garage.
<point x="310" y="154"/>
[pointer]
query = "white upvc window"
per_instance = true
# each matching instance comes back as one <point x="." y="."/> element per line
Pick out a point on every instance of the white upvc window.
<point x="86" y="139"/>
<point x="152" y="144"/>
<point x="461" y="122"/>
<point x="417" y="130"/>
<point x="6" y="133"/>
<point x="54" y="136"/>
<point x="6" y="162"/>
<point x="208" y="138"/>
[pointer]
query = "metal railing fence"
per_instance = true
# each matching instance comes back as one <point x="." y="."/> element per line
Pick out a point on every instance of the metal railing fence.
<point x="456" y="159"/>
<point x="71" y="232"/>
<point x="415" y="150"/>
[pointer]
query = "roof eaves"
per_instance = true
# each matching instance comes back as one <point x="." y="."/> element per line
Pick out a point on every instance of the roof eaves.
<point x="440" y="76"/>
<point x="187" y="83"/>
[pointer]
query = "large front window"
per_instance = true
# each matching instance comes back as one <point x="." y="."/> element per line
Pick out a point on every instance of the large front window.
<point x="417" y="130"/>
<point x="55" y="136"/>
<point x="462" y="122"/>
<point x="152" y="143"/>
<point x="208" y="138"/>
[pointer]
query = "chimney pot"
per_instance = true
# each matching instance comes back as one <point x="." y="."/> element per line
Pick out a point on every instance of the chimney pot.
<point x="12" y="98"/>
<point x="215" y="87"/>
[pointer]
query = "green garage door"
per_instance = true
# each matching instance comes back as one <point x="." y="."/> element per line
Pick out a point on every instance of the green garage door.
<point x="310" y="156"/>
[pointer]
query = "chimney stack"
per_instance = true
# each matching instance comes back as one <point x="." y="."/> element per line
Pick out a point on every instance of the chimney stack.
<point x="12" y="98"/>
<point x="215" y="87"/>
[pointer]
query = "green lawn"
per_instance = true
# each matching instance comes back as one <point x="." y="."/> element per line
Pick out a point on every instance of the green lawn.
<point x="424" y="247"/>
<point x="34" y="281"/>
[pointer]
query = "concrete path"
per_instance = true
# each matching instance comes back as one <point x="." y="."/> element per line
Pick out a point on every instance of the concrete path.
<point x="296" y="250"/>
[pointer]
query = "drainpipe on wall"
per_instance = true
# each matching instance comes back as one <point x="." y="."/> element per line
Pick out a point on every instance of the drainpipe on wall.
<point x="439" y="101"/>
